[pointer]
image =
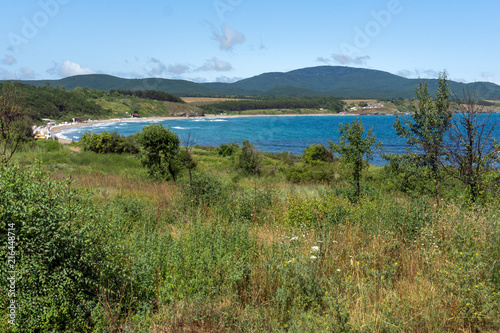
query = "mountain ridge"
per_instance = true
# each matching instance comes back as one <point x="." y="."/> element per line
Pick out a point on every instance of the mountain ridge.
<point x="338" y="81"/>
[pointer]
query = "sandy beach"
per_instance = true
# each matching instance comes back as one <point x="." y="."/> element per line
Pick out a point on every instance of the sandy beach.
<point x="58" y="128"/>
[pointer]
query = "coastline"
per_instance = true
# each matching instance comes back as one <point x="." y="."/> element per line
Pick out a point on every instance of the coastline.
<point x="54" y="130"/>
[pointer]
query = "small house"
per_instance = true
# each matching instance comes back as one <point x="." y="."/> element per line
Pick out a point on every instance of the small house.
<point x="79" y="120"/>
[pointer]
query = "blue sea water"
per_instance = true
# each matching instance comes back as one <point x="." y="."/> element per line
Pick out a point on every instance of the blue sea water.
<point x="268" y="134"/>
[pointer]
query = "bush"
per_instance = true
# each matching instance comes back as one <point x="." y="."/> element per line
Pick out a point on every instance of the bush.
<point x="60" y="262"/>
<point x="49" y="145"/>
<point x="248" y="160"/>
<point x="161" y="151"/>
<point x="227" y="149"/>
<point x="317" y="152"/>
<point x="209" y="261"/>
<point x="203" y="188"/>
<point x="106" y="142"/>
<point x="315" y="173"/>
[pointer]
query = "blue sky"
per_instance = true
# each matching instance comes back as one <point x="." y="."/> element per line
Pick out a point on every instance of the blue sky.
<point x="227" y="40"/>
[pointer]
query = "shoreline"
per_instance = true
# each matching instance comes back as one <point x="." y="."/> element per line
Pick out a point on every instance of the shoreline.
<point x="54" y="130"/>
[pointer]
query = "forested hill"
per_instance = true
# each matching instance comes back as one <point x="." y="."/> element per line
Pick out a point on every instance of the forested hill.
<point x="109" y="82"/>
<point x="63" y="105"/>
<point x="346" y="82"/>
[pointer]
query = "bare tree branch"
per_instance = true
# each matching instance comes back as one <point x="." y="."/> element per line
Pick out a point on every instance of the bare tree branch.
<point x="473" y="154"/>
<point x="14" y="127"/>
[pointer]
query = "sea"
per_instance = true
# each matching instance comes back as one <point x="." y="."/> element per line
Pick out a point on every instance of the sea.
<point x="268" y="133"/>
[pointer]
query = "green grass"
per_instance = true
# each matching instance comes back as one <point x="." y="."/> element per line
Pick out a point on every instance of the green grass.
<point x="122" y="107"/>
<point x="236" y="253"/>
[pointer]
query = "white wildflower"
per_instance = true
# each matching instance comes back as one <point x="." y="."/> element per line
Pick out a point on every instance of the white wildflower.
<point x="315" y="249"/>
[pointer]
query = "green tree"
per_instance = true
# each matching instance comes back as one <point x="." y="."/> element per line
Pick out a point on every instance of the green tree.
<point x="161" y="149"/>
<point x="355" y="151"/>
<point x="425" y="131"/>
<point x="248" y="159"/>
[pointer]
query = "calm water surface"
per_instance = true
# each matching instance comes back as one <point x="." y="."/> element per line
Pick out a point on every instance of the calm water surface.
<point x="269" y="134"/>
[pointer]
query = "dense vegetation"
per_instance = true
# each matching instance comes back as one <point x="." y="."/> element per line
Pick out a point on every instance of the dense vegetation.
<point x="57" y="103"/>
<point x="105" y="143"/>
<point x="174" y="237"/>
<point x="45" y="102"/>
<point x="230" y="250"/>
<point x="267" y="103"/>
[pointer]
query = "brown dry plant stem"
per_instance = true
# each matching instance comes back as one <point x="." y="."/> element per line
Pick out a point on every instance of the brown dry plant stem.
<point x="13" y="124"/>
<point x="473" y="153"/>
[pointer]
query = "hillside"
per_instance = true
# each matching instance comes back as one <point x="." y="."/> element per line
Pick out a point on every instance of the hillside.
<point x="109" y="82"/>
<point x="335" y="81"/>
<point x="63" y="105"/>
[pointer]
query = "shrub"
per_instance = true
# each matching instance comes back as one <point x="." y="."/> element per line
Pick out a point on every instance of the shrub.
<point x="317" y="152"/>
<point x="60" y="259"/>
<point x="203" y="188"/>
<point x="208" y="261"/>
<point x="106" y="142"/>
<point x="314" y="173"/>
<point x="227" y="149"/>
<point x="161" y="151"/>
<point x="49" y="145"/>
<point x="248" y="160"/>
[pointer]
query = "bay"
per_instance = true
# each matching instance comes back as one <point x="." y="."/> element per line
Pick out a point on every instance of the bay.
<point x="268" y="133"/>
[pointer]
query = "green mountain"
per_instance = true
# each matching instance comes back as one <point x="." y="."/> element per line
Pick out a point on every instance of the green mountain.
<point x="346" y="82"/>
<point x="109" y="82"/>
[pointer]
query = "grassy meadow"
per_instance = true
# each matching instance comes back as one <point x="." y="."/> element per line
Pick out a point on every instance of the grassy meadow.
<point x="287" y="250"/>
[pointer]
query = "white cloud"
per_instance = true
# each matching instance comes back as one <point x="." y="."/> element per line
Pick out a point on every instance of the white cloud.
<point x="178" y="69"/>
<point x="24" y="73"/>
<point x="157" y="67"/>
<point x="461" y="80"/>
<point x="6" y="75"/>
<point x="68" y="68"/>
<point x="323" y="60"/>
<point x="348" y="60"/>
<point x="215" y="64"/>
<point x="404" y="73"/>
<point x="430" y="73"/>
<point x="418" y="73"/>
<point x="228" y="38"/>
<point x="487" y="76"/>
<point x="9" y="60"/>
<point x="225" y="79"/>
<point x="27" y="74"/>
<point x="199" y="79"/>
<point x="129" y="75"/>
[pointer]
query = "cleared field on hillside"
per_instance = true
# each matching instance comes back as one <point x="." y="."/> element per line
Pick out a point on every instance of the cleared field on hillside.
<point x="356" y="101"/>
